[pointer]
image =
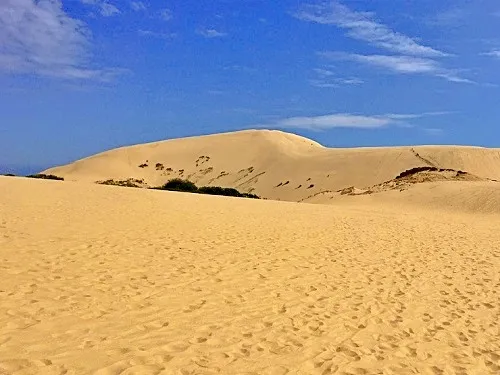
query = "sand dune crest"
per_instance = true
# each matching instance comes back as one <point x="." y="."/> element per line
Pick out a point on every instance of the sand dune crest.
<point x="274" y="164"/>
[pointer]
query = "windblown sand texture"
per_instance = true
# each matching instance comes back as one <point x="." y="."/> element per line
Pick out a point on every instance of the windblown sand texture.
<point x="394" y="275"/>
<point x="109" y="280"/>
<point x="274" y="164"/>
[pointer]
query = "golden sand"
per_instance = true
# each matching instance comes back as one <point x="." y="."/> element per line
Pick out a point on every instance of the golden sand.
<point x="274" y="164"/>
<point x="108" y="280"/>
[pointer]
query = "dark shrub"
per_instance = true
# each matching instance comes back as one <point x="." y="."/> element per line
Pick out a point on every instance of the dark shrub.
<point x="178" y="184"/>
<point x="9" y="175"/>
<point x="217" y="190"/>
<point x="187" y="186"/>
<point x="250" y="195"/>
<point x="46" y="176"/>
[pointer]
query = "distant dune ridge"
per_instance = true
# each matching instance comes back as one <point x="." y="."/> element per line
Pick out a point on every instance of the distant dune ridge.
<point x="283" y="166"/>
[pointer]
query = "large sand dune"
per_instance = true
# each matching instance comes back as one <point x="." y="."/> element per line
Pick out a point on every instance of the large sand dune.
<point x="106" y="280"/>
<point x="274" y="164"/>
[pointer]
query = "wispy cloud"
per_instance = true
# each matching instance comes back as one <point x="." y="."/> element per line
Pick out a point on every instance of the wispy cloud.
<point x="493" y="53"/>
<point x="401" y="64"/>
<point x="328" y="79"/>
<point x="345" y="120"/>
<point x="38" y="37"/>
<point x="363" y="26"/>
<point x="411" y="56"/>
<point x="155" y="34"/>
<point x="105" y="8"/>
<point x="211" y="33"/>
<point x="138" y="6"/>
<point x="166" y="14"/>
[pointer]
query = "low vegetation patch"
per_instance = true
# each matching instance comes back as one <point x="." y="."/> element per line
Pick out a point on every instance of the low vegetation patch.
<point x="178" y="184"/>
<point x="46" y="176"/>
<point x="187" y="186"/>
<point x="414" y="171"/>
<point x="130" y="182"/>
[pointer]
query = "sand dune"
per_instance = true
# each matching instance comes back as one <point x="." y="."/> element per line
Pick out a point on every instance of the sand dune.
<point x="105" y="280"/>
<point x="397" y="274"/>
<point x="445" y="190"/>
<point x="274" y="164"/>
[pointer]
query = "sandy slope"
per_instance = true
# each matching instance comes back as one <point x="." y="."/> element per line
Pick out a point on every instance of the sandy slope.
<point x="106" y="280"/>
<point x="475" y="197"/>
<point x="274" y="164"/>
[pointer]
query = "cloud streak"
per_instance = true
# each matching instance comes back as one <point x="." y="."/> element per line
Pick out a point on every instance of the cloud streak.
<point x="401" y="64"/>
<point x="493" y="53"/>
<point x="105" y="8"/>
<point x="211" y="33"/>
<point x="345" y="120"/>
<point x="362" y="26"/>
<point x="38" y="37"/>
<point x="409" y="56"/>
<point x="154" y="34"/>
<point x="138" y="6"/>
<point x="166" y="14"/>
<point x="327" y="79"/>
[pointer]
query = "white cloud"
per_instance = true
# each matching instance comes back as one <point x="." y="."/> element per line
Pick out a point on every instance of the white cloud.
<point x="324" y="72"/>
<point x="334" y="121"/>
<point x="401" y="65"/>
<point x="338" y="82"/>
<point x="108" y="10"/>
<point x="345" y="120"/>
<point x="453" y="77"/>
<point x="211" y="33"/>
<point x="105" y="8"/>
<point x="38" y="37"/>
<point x="328" y="79"/>
<point x="166" y="14"/>
<point x="396" y="116"/>
<point x="493" y="53"/>
<point x="138" y="6"/>
<point x="155" y="34"/>
<point x="363" y="26"/>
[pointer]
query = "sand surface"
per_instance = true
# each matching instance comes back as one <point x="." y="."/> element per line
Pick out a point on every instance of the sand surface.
<point x="108" y="280"/>
<point x="273" y="164"/>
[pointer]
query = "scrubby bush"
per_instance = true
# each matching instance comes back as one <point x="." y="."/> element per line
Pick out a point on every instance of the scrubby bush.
<point x="46" y="176"/>
<point x="178" y="184"/>
<point x="131" y="182"/>
<point x="250" y="195"/>
<point x="217" y="190"/>
<point x="187" y="186"/>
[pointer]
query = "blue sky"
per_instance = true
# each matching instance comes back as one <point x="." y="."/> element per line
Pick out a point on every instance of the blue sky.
<point x="81" y="76"/>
